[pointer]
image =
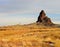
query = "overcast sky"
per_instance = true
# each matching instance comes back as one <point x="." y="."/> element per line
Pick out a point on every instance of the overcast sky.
<point x="26" y="11"/>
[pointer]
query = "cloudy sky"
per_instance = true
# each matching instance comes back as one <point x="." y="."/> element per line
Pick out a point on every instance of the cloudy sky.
<point x="26" y="11"/>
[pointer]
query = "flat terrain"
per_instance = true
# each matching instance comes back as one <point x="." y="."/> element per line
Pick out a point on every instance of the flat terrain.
<point x="31" y="35"/>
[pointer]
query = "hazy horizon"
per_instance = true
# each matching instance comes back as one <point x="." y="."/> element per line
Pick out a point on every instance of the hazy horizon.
<point x="26" y="11"/>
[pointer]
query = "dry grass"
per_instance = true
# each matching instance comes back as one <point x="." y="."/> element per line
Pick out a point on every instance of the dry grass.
<point x="29" y="36"/>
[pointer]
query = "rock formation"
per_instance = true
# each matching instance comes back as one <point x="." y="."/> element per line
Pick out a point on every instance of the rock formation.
<point x="42" y="18"/>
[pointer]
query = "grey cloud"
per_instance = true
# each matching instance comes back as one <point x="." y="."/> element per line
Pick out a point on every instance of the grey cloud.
<point x="51" y="6"/>
<point x="15" y="5"/>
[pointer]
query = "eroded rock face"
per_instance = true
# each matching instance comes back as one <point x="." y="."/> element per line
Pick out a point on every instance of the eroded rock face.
<point x="42" y="18"/>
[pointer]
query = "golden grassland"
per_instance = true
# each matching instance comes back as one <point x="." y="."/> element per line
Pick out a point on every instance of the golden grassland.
<point x="31" y="35"/>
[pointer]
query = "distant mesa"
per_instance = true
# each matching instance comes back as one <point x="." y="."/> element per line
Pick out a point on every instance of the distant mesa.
<point x="42" y="18"/>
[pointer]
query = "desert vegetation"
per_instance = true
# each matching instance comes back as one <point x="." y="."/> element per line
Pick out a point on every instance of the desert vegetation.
<point x="29" y="36"/>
